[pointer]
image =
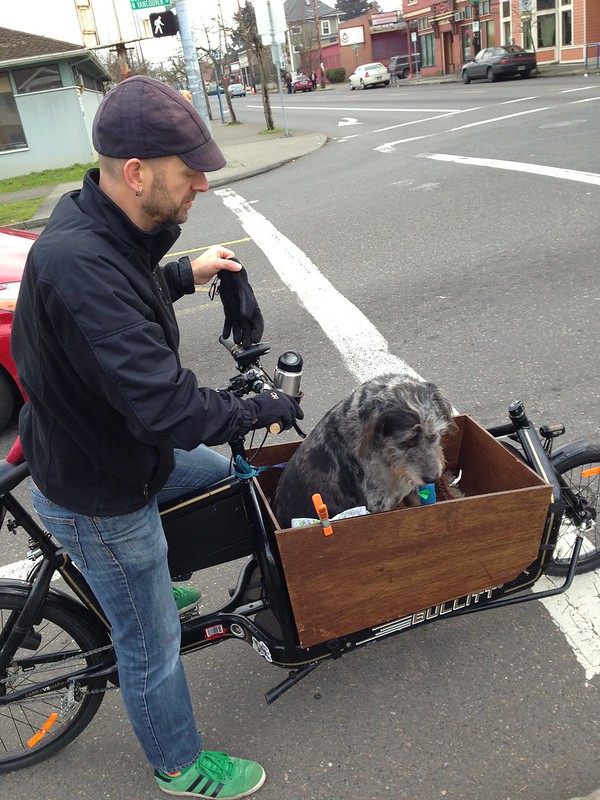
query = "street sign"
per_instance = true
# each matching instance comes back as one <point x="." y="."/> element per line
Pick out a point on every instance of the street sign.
<point x="475" y="26"/>
<point x="140" y="5"/>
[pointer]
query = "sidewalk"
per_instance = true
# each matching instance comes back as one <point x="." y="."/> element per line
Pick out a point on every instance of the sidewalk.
<point x="248" y="150"/>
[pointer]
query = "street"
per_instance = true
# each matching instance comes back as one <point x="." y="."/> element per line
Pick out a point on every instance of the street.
<point x="451" y="230"/>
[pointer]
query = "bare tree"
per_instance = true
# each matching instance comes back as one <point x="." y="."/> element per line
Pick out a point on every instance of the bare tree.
<point x="215" y="56"/>
<point x="523" y="10"/>
<point x="248" y="33"/>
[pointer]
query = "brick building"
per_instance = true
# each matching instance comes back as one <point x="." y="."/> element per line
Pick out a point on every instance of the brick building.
<point x="451" y="31"/>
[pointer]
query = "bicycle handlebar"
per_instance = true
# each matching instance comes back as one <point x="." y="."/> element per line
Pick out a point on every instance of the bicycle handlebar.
<point x="252" y="377"/>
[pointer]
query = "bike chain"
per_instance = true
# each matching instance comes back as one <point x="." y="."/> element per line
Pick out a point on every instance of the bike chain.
<point x="78" y="657"/>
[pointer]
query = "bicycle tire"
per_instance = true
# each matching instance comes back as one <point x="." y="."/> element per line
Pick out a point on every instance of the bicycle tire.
<point x="24" y="740"/>
<point x="570" y="466"/>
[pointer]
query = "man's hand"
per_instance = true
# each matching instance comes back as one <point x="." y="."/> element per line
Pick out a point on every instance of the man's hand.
<point x="213" y="260"/>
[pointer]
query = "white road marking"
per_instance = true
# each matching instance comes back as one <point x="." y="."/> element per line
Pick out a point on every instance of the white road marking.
<point x="586" y="100"/>
<point x="415" y="122"/>
<point x="519" y="166"/>
<point x="366" y="354"/>
<point x="575" y="612"/>
<point x="499" y="119"/>
<point x="579" y="89"/>
<point x="17" y="571"/>
<point x="388" y="147"/>
<point x="348" y="121"/>
<point x="363" y="348"/>
<point x="516" y="100"/>
<point x="367" y="109"/>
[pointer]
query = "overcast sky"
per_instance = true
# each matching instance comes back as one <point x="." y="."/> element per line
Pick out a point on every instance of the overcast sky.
<point x="114" y="19"/>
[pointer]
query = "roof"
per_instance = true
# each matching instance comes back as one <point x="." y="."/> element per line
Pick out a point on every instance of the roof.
<point x="299" y="10"/>
<point x="20" y="49"/>
<point x="20" y="45"/>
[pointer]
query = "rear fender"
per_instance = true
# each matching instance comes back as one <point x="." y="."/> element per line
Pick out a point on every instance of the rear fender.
<point x="59" y="599"/>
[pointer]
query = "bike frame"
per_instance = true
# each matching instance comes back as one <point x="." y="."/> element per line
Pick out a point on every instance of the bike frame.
<point x="259" y="611"/>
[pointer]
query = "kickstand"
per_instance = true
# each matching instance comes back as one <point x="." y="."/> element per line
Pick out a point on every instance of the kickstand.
<point x="295" y="676"/>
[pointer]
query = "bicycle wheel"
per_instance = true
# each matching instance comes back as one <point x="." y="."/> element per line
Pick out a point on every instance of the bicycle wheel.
<point x="586" y="491"/>
<point x="36" y="727"/>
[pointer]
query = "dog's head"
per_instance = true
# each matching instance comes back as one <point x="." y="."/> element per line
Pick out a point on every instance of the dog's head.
<point x="403" y="422"/>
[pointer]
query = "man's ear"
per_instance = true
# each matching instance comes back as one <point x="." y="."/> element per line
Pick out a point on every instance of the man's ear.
<point x="134" y="173"/>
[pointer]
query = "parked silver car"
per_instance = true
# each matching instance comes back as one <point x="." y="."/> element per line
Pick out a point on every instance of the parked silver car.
<point x="369" y="75"/>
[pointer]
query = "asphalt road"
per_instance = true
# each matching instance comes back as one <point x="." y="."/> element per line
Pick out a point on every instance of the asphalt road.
<point x="480" y="274"/>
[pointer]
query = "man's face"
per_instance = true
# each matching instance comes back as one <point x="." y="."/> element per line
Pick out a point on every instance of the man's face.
<point x="171" y="192"/>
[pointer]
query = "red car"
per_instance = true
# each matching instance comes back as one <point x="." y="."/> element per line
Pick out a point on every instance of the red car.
<point x="302" y="84"/>
<point x="14" y="246"/>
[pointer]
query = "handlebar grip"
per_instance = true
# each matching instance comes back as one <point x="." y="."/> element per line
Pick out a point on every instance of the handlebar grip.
<point x="275" y="427"/>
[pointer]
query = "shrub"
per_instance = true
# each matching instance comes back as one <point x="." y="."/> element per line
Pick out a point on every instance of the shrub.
<point x="336" y="75"/>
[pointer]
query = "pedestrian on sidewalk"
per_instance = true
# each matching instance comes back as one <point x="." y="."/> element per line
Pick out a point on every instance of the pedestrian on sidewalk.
<point x="114" y="423"/>
<point x="288" y="83"/>
<point x="313" y="78"/>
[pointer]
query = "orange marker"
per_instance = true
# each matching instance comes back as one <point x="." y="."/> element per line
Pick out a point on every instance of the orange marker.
<point x="587" y="473"/>
<point x="322" y="513"/>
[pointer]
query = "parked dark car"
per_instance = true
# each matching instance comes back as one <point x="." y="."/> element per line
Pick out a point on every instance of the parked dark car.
<point x="14" y="246"/>
<point x="399" y="66"/>
<point x="497" y="62"/>
<point x="302" y="83"/>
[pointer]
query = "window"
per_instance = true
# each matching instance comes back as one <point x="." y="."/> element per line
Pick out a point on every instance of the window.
<point x="489" y="27"/>
<point x="427" y="47"/>
<point x="567" y="27"/>
<point x="12" y="136"/>
<point x="527" y="37"/>
<point x="546" y="30"/>
<point x="37" y="79"/>
<point x="545" y="5"/>
<point x="88" y="81"/>
<point x="423" y="22"/>
<point x="506" y="8"/>
<point x="484" y="7"/>
<point x="325" y="27"/>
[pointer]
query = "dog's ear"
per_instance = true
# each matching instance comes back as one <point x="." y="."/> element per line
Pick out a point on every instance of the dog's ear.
<point x="444" y="406"/>
<point x="386" y="425"/>
<point x="367" y="436"/>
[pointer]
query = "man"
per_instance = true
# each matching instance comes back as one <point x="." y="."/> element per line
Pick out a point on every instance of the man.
<point x="113" y="421"/>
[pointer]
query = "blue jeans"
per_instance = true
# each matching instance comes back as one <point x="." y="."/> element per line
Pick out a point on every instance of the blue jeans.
<point x="124" y="560"/>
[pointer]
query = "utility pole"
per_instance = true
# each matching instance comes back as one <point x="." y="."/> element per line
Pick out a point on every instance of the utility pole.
<point x="190" y="60"/>
<point x="318" y="34"/>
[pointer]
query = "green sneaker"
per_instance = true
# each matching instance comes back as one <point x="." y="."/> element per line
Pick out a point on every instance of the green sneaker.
<point x="186" y="597"/>
<point x="216" y="776"/>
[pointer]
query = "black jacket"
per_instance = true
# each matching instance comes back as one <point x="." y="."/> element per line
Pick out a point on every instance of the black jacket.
<point x="96" y="342"/>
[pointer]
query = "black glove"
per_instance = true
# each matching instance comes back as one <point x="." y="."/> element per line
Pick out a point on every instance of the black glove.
<point x="274" y="406"/>
<point x="242" y="314"/>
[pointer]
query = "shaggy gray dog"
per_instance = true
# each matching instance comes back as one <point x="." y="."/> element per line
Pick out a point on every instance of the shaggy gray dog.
<point x="372" y="449"/>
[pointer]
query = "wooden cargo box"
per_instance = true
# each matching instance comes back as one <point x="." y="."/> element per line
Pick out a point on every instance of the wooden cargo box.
<point x="377" y="568"/>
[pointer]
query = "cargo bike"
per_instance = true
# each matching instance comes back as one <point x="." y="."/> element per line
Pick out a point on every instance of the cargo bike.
<point x="526" y="508"/>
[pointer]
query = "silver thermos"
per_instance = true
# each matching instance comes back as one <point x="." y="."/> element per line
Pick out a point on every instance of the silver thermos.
<point x="288" y="374"/>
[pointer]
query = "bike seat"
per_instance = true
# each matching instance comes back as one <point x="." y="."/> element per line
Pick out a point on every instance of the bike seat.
<point x="11" y="476"/>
